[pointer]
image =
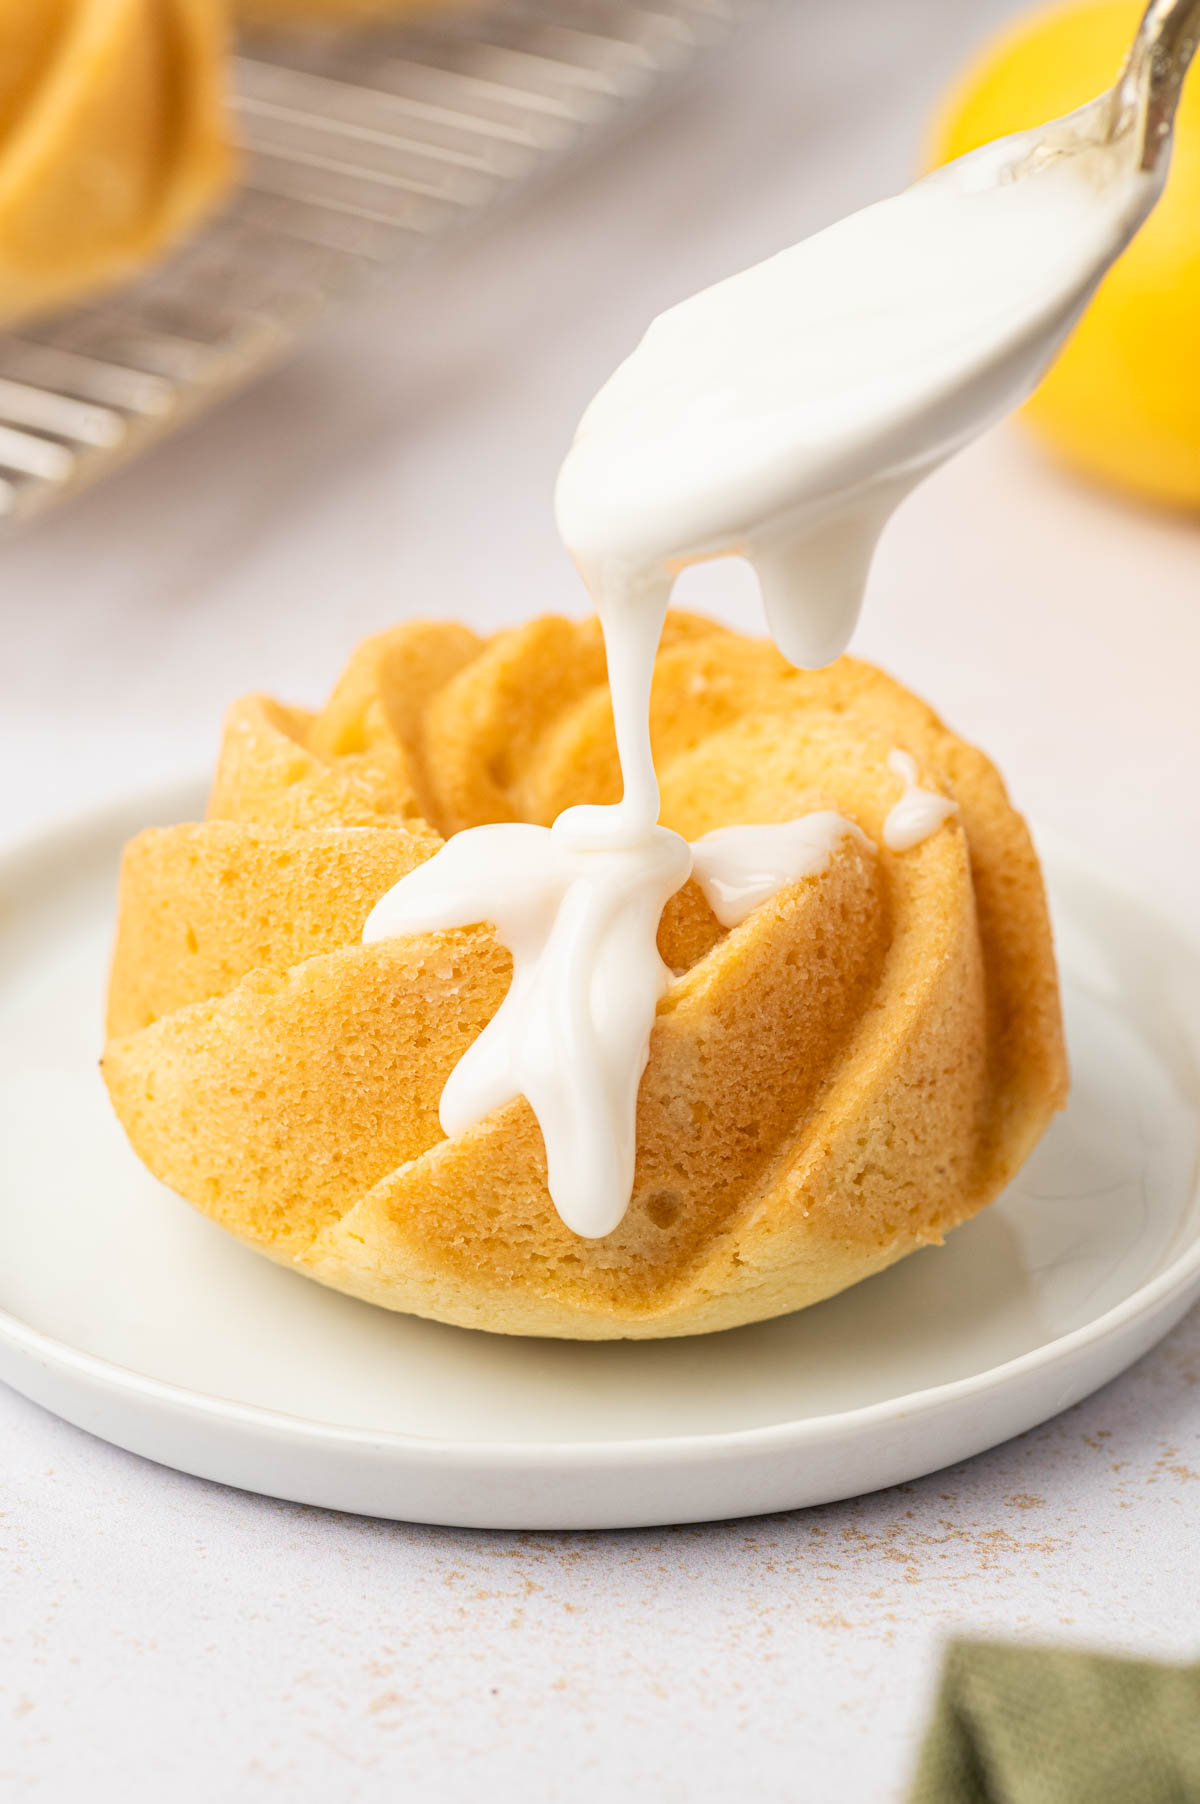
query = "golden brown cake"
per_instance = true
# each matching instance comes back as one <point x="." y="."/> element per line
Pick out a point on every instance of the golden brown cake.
<point x="857" y="1068"/>
<point x="332" y="12"/>
<point x="112" y="139"/>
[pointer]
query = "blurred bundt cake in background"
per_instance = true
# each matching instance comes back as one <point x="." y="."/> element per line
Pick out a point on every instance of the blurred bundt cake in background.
<point x="859" y="1065"/>
<point x="333" y="12"/>
<point x="113" y="139"/>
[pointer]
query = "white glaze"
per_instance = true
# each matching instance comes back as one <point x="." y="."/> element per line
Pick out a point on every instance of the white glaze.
<point x="918" y="813"/>
<point x="573" y="1033"/>
<point x="740" y="867"/>
<point x="782" y="414"/>
<point x="632" y="618"/>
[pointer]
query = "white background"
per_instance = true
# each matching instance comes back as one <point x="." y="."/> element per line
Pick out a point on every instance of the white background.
<point x="164" y="1638"/>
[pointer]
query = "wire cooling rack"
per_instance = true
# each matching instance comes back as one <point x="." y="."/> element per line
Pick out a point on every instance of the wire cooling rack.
<point x="358" y="150"/>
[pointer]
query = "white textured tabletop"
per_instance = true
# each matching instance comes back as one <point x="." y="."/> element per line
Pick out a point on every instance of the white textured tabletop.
<point x="164" y="1638"/>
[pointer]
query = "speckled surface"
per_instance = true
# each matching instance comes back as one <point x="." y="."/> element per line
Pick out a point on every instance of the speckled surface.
<point x="161" y="1632"/>
<point x="164" y="1638"/>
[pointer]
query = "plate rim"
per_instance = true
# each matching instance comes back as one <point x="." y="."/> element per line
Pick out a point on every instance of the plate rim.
<point x="20" y="859"/>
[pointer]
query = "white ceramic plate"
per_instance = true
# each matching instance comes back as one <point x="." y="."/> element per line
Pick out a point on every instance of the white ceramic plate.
<point x="130" y="1315"/>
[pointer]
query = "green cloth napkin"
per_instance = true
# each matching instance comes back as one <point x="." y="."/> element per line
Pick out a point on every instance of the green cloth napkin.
<point x="1029" y="1725"/>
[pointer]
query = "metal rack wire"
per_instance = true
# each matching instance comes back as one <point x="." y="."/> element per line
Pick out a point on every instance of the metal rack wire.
<point x="358" y="151"/>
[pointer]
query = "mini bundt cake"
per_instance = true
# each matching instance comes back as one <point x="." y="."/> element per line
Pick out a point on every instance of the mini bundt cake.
<point x="112" y="139"/>
<point x="859" y="1066"/>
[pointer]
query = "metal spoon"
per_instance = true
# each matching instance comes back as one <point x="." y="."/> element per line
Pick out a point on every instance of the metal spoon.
<point x="1147" y="91"/>
<point x="1141" y="101"/>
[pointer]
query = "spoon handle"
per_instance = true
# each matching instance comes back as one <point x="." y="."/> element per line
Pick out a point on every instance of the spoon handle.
<point x="1149" y="85"/>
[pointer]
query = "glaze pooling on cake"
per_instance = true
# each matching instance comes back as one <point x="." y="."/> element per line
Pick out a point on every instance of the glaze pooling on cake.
<point x="918" y="813"/>
<point x="739" y="868"/>
<point x="572" y="1035"/>
<point x="859" y="1065"/>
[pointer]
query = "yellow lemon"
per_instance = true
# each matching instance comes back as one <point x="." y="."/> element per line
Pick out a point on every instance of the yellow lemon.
<point x="1123" y="400"/>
